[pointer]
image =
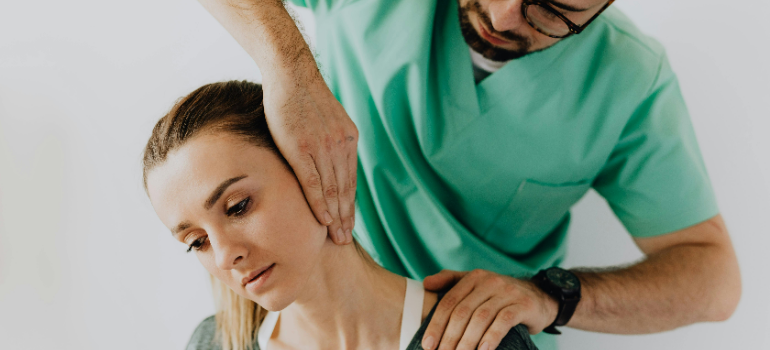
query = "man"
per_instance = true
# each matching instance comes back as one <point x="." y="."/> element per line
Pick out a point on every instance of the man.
<point x="481" y="123"/>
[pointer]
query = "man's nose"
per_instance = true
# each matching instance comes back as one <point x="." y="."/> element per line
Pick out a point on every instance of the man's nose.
<point x="506" y="15"/>
<point x="229" y="251"/>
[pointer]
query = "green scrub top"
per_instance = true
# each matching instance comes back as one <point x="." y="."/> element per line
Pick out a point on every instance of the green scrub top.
<point x="457" y="175"/>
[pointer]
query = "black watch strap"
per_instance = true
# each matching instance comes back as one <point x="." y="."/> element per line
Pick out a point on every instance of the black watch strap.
<point x="566" y="310"/>
<point x="567" y="298"/>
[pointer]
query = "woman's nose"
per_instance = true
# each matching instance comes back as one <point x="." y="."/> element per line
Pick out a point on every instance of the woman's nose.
<point x="228" y="250"/>
<point x="506" y="15"/>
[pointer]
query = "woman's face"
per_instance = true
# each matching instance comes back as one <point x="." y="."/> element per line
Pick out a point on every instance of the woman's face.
<point x="241" y="210"/>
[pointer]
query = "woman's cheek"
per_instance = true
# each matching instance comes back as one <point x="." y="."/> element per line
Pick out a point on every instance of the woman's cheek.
<point x="208" y="261"/>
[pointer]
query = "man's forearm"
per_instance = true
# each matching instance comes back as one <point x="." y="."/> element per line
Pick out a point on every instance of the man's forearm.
<point x="269" y="35"/>
<point x="689" y="276"/>
<point x="674" y="287"/>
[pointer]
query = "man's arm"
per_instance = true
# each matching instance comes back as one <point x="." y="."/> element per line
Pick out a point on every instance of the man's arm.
<point x="308" y="124"/>
<point x="687" y="276"/>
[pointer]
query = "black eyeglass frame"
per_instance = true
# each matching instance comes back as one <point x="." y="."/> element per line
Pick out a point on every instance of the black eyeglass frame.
<point x="573" y="28"/>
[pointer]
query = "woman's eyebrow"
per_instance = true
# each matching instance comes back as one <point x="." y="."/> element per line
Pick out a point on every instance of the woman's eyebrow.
<point x="214" y="197"/>
<point x="568" y="7"/>
<point x="181" y="227"/>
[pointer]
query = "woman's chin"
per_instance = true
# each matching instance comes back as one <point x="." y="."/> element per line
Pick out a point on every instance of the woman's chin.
<point x="275" y="296"/>
<point x="272" y="302"/>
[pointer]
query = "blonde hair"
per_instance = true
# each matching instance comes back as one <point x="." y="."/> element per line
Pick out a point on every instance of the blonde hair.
<point x="237" y="318"/>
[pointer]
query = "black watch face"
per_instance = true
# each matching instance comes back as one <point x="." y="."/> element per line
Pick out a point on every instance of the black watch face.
<point x="562" y="279"/>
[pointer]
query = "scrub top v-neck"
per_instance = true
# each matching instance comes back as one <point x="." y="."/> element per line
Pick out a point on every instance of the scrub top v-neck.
<point x="411" y="317"/>
<point x="457" y="175"/>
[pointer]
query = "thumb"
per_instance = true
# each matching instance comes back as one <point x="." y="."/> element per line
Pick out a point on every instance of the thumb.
<point x="441" y="280"/>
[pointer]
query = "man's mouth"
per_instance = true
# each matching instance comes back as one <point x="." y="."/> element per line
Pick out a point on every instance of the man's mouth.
<point x="489" y="36"/>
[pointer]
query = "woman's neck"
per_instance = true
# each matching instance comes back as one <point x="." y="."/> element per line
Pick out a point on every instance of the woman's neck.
<point x="348" y="303"/>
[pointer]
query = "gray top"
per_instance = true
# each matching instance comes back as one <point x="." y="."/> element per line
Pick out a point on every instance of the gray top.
<point x="516" y="339"/>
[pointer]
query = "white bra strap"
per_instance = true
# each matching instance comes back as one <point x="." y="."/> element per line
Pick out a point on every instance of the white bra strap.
<point x="411" y="318"/>
<point x="266" y="329"/>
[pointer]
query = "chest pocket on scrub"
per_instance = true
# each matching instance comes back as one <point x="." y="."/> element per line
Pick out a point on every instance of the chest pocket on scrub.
<point x="533" y="212"/>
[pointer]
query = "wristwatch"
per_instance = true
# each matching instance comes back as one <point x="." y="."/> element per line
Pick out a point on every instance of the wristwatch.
<point x="563" y="286"/>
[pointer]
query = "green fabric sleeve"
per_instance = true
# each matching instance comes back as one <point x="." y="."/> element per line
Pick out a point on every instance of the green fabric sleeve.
<point x="655" y="179"/>
<point x="301" y="3"/>
<point x="319" y="5"/>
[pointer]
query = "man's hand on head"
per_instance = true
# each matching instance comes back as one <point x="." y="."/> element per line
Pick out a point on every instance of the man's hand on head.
<point x="481" y="309"/>
<point x="308" y="124"/>
<point x="319" y="141"/>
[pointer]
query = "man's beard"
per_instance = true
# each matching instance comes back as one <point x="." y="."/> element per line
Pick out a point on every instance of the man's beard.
<point x="486" y="49"/>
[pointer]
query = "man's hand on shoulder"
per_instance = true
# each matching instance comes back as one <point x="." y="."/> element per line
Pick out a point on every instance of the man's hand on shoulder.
<point x="481" y="309"/>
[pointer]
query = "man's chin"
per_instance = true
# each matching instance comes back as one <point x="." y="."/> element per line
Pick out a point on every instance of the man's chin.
<point x="494" y="53"/>
<point x="486" y="49"/>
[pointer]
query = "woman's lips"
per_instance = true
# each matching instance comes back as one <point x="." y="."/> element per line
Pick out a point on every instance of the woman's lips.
<point x="258" y="280"/>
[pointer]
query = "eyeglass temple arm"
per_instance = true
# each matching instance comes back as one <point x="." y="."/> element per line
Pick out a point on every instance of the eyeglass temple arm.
<point x="579" y="29"/>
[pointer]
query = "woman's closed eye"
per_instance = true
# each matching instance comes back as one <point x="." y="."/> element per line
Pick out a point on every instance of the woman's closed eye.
<point x="240" y="208"/>
<point x="197" y="244"/>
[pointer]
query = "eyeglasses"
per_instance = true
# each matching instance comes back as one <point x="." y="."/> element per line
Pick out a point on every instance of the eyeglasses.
<point x="547" y="20"/>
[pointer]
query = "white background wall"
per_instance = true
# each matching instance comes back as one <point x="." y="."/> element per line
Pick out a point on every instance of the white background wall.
<point x="85" y="264"/>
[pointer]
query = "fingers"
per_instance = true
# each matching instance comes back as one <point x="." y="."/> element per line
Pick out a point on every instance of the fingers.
<point x="349" y="195"/>
<point x="479" y="323"/>
<point x="461" y="317"/>
<point x="443" y="279"/>
<point x="325" y="167"/>
<point x="311" y="183"/>
<point x="445" y="308"/>
<point x="346" y="195"/>
<point x="480" y="310"/>
<point x="509" y="317"/>
<point x="353" y="183"/>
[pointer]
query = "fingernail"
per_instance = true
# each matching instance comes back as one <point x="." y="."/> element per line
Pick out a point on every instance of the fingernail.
<point x="349" y="233"/>
<point x="340" y="235"/>
<point x="327" y="218"/>
<point x="430" y="343"/>
<point x="484" y="346"/>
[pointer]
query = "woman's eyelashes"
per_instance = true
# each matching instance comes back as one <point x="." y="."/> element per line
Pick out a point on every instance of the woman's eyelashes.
<point x="236" y="210"/>
<point x="239" y="209"/>
<point x="197" y="244"/>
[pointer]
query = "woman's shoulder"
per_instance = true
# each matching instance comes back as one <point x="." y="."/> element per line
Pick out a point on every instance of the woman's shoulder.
<point x="203" y="336"/>
<point x="517" y="339"/>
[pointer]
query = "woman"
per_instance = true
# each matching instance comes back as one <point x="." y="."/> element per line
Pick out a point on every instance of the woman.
<point x="216" y="179"/>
